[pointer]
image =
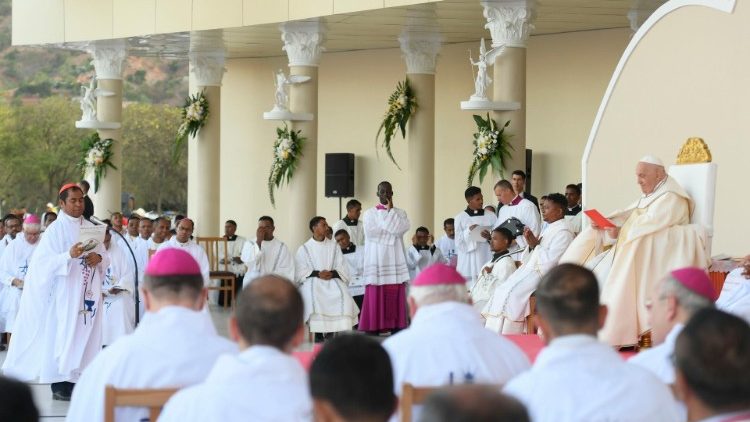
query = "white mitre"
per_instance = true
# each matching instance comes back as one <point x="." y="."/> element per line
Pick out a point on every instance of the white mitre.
<point x="650" y="159"/>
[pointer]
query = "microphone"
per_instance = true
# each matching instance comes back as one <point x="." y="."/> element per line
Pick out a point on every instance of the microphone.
<point x="97" y="221"/>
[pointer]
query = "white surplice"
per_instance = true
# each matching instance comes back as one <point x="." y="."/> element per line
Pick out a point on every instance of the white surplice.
<point x="259" y="384"/>
<point x="234" y="250"/>
<point x="355" y="258"/>
<point x="502" y="266"/>
<point x="577" y="378"/>
<point x="446" y="344"/>
<point x="472" y="254"/>
<point x="119" y="309"/>
<point x="195" y="250"/>
<point x="508" y="307"/>
<point x="385" y="257"/>
<point x="58" y="327"/>
<point x="14" y="263"/>
<point x="355" y="228"/>
<point x="527" y="213"/>
<point x="329" y="306"/>
<point x="735" y="295"/>
<point x="448" y="249"/>
<point x="419" y="259"/>
<point x="272" y="257"/>
<point x="174" y="347"/>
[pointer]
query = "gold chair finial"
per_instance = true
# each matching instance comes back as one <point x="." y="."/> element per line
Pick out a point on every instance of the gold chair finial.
<point x="694" y="151"/>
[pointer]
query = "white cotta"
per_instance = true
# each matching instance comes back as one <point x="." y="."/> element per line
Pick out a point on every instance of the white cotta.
<point x="735" y="295"/>
<point x="195" y="250"/>
<point x="14" y="263"/>
<point x="234" y="249"/>
<point x="272" y="257"/>
<point x="487" y="282"/>
<point x="418" y="260"/>
<point x="355" y="260"/>
<point x="528" y="214"/>
<point x="447" y="248"/>
<point x="119" y="309"/>
<point x="356" y="233"/>
<point x="385" y="257"/>
<point x="472" y="254"/>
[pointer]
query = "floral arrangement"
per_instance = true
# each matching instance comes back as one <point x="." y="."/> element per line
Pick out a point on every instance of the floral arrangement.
<point x="97" y="156"/>
<point x="194" y="115"/>
<point x="287" y="151"/>
<point x="491" y="149"/>
<point x="401" y="105"/>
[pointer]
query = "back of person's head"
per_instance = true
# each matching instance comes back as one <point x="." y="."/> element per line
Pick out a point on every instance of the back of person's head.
<point x="17" y="403"/>
<point x="712" y="358"/>
<point x="269" y="312"/>
<point x="472" y="403"/>
<point x="352" y="376"/>
<point x="173" y="276"/>
<point x="567" y="300"/>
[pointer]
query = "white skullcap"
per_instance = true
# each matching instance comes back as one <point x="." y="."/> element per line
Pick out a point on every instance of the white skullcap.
<point x="650" y="159"/>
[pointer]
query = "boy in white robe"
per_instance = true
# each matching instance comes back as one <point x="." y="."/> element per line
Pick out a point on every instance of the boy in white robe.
<point x="735" y="294"/>
<point x="183" y="240"/>
<point x="422" y="252"/>
<point x="14" y="265"/>
<point x="576" y="377"/>
<point x="118" y="290"/>
<point x="174" y="346"/>
<point x="496" y="270"/>
<point x="354" y="257"/>
<point x="352" y="223"/>
<point x="263" y="382"/>
<point x="58" y="327"/>
<point x="472" y="253"/>
<point x="322" y="277"/>
<point x="507" y="309"/>
<point x="516" y="206"/>
<point x="266" y="254"/>
<point x="447" y="242"/>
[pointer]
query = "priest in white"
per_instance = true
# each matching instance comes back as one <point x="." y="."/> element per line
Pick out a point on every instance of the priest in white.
<point x="472" y="252"/>
<point x="58" y="327"/>
<point x="322" y="277"/>
<point x="11" y="227"/>
<point x="235" y="244"/>
<point x="735" y="294"/>
<point x="651" y="237"/>
<point x="182" y="240"/>
<point x="385" y="273"/>
<point x="507" y="309"/>
<point x="352" y="223"/>
<point x="447" y="242"/>
<point x="514" y="205"/>
<point x="14" y="264"/>
<point x="422" y="252"/>
<point x="355" y="258"/>
<point x="174" y="346"/>
<point x="118" y="290"/>
<point x="496" y="271"/>
<point x="266" y="254"/>
<point x="576" y="377"/>
<point x="263" y="382"/>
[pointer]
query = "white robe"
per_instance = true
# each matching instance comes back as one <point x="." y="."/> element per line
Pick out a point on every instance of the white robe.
<point x="328" y="305"/>
<point x="272" y="257"/>
<point x="174" y="347"/>
<point x="448" y="249"/>
<point x="486" y="283"/>
<point x="119" y="309"/>
<point x="195" y="250"/>
<point x="472" y="254"/>
<point x="385" y="258"/>
<point x="4" y="242"/>
<point x="507" y="309"/>
<point x="234" y="249"/>
<point x="735" y="295"/>
<point x="14" y="263"/>
<point x="658" y="359"/>
<point x="418" y="260"/>
<point x="356" y="232"/>
<point x="249" y="386"/>
<point x="528" y="214"/>
<point x="58" y="327"/>
<point x="446" y="344"/>
<point x="355" y="261"/>
<point x="577" y="378"/>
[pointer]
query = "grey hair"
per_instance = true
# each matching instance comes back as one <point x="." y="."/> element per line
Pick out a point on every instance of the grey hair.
<point x="686" y="299"/>
<point x="31" y="226"/>
<point x="429" y="295"/>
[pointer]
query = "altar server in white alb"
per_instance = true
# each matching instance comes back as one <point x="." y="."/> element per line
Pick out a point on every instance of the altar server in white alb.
<point x="496" y="271"/>
<point x="735" y="294"/>
<point x="235" y="244"/>
<point x="355" y="258"/>
<point x="266" y="254"/>
<point x="507" y="309"/>
<point x="447" y="242"/>
<point x="322" y="276"/>
<point x="514" y="205"/>
<point x="472" y="252"/>
<point x="263" y="382"/>
<point x="58" y="327"/>
<point x="446" y="342"/>
<point x="577" y="377"/>
<point x="174" y="346"/>
<point x="118" y="290"/>
<point x="352" y="223"/>
<point x="422" y="252"/>
<point x="385" y="272"/>
<point x="14" y="265"/>
<point x="182" y="240"/>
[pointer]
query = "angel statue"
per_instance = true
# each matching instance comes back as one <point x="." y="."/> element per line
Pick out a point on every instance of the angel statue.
<point x="88" y="102"/>
<point x="482" y="81"/>
<point x="282" y="82"/>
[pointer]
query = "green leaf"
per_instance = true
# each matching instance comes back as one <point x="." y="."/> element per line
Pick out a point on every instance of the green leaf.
<point x="482" y="172"/>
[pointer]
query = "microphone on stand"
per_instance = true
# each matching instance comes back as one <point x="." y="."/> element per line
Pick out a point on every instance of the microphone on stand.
<point x="135" y="263"/>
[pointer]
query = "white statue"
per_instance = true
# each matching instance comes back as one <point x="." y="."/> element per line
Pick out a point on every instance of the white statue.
<point x="88" y="102"/>
<point x="482" y="81"/>
<point x="282" y="82"/>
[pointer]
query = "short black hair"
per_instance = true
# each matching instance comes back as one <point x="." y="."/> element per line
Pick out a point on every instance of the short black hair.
<point x="504" y="232"/>
<point x="269" y="311"/>
<point x="341" y="231"/>
<point x="353" y="203"/>
<point x="354" y="374"/>
<point x="315" y="220"/>
<point x="189" y="286"/>
<point x="449" y="221"/>
<point x="48" y="214"/>
<point x="472" y="191"/>
<point x="472" y="403"/>
<point x="422" y="229"/>
<point x="559" y="199"/>
<point x="178" y="217"/>
<point x="17" y="403"/>
<point x="575" y="187"/>
<point x="232" y="222"/>
<point x="503" y="184"/>
<point x="267" y="218"/>
<point x="10" y="217"/>
<point x="64" y="194"/>
<point x="568" y="297"/>
<point x="492" y="207"/>
<point x="85" y="182"/>
<point x="519" y="173"/>
<point x="134" y="216"/>
<point x="713" y="354"/>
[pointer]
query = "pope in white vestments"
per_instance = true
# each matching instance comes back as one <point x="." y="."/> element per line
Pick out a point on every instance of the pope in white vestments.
<point x="471" y="252"/>
<point x="58" y="327"/>
<point x="14" y="264"/>
<point x="118" y="290"/>
<point x="652" y="237"/>
<point x="735" y="294"/>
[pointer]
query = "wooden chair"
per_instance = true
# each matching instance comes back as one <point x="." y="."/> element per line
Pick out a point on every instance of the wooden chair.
<point x="410" y="396"/>
<point x="217" y="249"/>
<point x="153" y="399"/>
<point x="531" y="319"/>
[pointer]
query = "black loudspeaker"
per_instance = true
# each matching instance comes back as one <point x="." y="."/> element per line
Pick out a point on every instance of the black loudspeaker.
<point x="339" y="175"/>
<point x="528" y="170"/>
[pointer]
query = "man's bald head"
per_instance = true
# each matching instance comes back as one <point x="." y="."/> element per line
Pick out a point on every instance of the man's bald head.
<point x="648" y="175"/>
<point x="269" y="312"/>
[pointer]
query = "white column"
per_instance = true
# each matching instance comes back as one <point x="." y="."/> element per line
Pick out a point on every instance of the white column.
<point x="109" y="60"/>
<point x="510" y="23"/>
<point x="207" y="68"/>
<point x="303" y="43"/>
<point x="420" y="44"/>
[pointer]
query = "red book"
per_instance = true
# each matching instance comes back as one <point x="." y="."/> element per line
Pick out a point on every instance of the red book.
<point x="598" y="219"/>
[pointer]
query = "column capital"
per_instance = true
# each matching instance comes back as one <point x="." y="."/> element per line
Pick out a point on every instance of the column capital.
<point x="421" y="40"/>
<point x="303" y="41"/>
<point x="509" y="22"/>
<point x="207" y="67"/>
<point x="108" y="58"/>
